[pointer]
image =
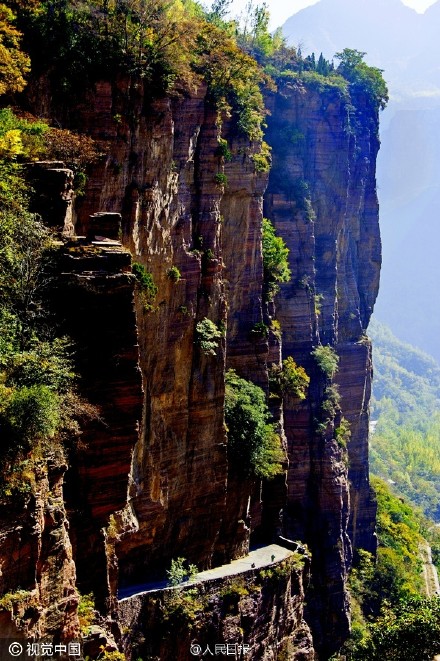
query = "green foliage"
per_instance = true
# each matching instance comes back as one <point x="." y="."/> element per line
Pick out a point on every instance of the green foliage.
<point x="362" y="78"/>
<point x="20" y="137"/>
<point x="11" y="600"/>
<point x="330" y="403"/>
<point x="28" y="415"/>
<point x="14" y="64"/>
<point x="403" y="374"/>
<point x="39" y="408"/>
<point x="253" y="444"/>
<point x="235" y="589"/>
<point x="343" y="433"/>
<point x="284" y="569"/>
<point x="168" y="43"/>
<point x="86" y="613"/>
<point x="407" y="452"/>
<point x="275" y="327"/>
<point x="223" y="150"/>
<point x="262" y="159"/>
<point x="326" y="359"/>
<point x="275" y="260"/>
<point x="396" y="574"/>
<point x="221" y="180"/>
<point x="289" y="378"/>
<point x="409" y="631"/>
<point x="146" y="285"/>
<point x="174" y="274"/>
<point x="386" y="594"/>
<point x="111" y="655"/>
<point x="208" y="336"/>
<point x="182" y="607"/>
<point x="406" y="445"/>
<point x="178" y="572"/>
<point x="259" y="331"/>
<point x="317" y="303"/>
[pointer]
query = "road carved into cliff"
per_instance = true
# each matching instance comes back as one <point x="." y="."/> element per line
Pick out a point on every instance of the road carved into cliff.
<point x="257" y="559"/>
<point x="430" y="575"/>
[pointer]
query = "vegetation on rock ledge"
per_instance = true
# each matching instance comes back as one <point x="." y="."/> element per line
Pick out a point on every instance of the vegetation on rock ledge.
<point x="253" y="443"/>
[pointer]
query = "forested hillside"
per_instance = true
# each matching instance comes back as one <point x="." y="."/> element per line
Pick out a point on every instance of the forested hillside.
<point x="405" y="448"/>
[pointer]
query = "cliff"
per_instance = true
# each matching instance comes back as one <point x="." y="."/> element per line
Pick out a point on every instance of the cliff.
<point x="322" y="199"/>
<point x="153" y="478"/>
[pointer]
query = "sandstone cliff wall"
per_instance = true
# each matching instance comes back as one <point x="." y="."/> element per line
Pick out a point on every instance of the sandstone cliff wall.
<point x="258" y="611"/>
<point x="153" y="480"/>
<point x="322" y="199"/>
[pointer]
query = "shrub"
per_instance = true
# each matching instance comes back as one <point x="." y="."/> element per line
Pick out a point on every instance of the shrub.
<point x="262" y="159"/>
<point x="28" y="415"/>
<point x="223" y="150"/>
<point x="259" y="331"/>
<point x="363" y="78"/>
<point x="343" y="433"/>
<point x="178" y="573"/>
<point x="11" y="600"/>
<point x="332" y="399"/>
<point x="275" y="260"/>
<point x="221" y="180"/>
<point x="20" y="137"/>
<point x="174" y="274"/>
<point x="111" y="655"/>
<point x="207" y="336"/>
<point x="275" y="327"/>
<point x="86" y="612"/>
<point x="326" y="359"/>
<point x="146" y="285"/>
<point x="14" y="64"/>
<point x="253" y="444"/>
<point x="317" y="303"/>
<point x="182" y="607"/>
<point x="294" y="379"/>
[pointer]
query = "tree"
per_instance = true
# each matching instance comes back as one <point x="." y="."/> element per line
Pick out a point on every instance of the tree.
<point x="14" y="64"/>
<point x="253" y="444"/>
<point x="363" y="78"/>
<point x="411" y="631"/>
<point x="275" y="259"/>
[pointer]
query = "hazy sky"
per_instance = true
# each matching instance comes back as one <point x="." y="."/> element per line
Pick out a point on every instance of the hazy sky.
<point x="280" y="10"/>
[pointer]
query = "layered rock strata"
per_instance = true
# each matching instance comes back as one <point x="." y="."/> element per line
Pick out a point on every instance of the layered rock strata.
<point x="37" y="570"/>
<point x="153" y="480"/>
<point x="257" y="614"/>
<point x="322" y="200"/>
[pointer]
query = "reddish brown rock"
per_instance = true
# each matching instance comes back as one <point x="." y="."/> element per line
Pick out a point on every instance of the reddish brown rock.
<point x="37" y="568"/>
<point x="322" y="199"/>
<point x="260" y="609"/>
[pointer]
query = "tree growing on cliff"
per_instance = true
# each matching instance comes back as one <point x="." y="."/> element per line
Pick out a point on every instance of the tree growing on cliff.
<point x="253" y="443"/>
<point x="363" y="78"/>
<point x="275" y="260"/>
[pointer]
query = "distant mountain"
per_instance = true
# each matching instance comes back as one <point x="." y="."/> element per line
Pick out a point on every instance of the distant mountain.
<point x="406" y="45"/>
<point x="407" y="376"/>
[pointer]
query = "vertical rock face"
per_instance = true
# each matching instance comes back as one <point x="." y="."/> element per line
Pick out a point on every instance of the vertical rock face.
<point x="322" y="200"/>
<point x="198" y="233"/>
<point x="54" y="198"/>
<point x="255" y="615"/>
<point x="36" y="557"/>
<point x="153" y="480"/>
<point x="94" y="298"/>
